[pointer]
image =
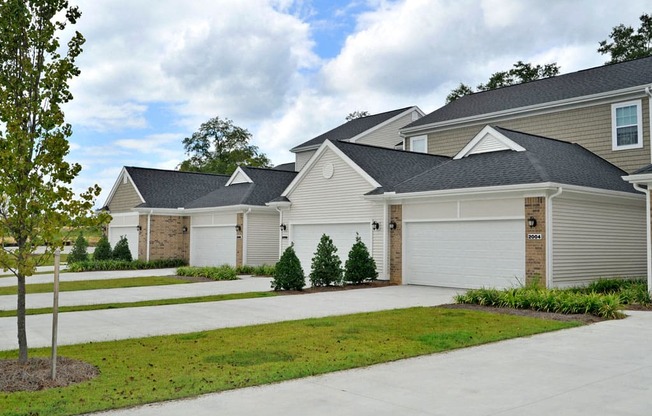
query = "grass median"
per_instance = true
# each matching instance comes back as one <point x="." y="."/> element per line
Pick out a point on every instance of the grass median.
<point x="98" y="284"/>
<point x="146" y="370"/>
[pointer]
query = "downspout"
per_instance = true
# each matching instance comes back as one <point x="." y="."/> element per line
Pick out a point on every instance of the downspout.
<point x="245" y="235"/>
<point x="280" y="232"/>
<point x="149" y="232"/>
<point x="648" y="230"/>
<point x="385" y="238"/>
<point x="549" y="236"/>
<point x="648" y="91"/>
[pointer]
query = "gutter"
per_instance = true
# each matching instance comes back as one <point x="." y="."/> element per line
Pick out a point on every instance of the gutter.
<point x="549" y="236"/>
<point x="149" y="230"/>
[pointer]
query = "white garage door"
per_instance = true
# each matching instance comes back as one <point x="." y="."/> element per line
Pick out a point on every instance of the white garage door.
<point x="469" y="254"/>
<point x="212" y="246"/>
<point x="306" y="237"/>
<point x="116" y="232"/>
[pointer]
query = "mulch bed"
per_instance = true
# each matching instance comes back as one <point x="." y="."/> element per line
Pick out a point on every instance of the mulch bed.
<point x="35" y="374"/>
<point x="365" y="285"/>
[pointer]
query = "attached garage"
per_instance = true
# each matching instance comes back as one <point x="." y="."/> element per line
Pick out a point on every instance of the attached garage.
<point x="125" y="225"/>
<point x="306" y="237"/>
<point x="212" y="245"/>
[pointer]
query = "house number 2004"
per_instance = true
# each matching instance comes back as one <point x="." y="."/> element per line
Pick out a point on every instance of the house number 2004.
<point x="534" y="236"/>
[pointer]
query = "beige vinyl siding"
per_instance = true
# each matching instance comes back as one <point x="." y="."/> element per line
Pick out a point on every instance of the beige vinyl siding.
<point x="338" y="200"/>
<point x="589" y="127"/>
<point x="386" y="136"/>
<point x="262" y="239"/>
<point x="302" y="158"/>
<point x="124" y="198"/>
<point x="593" y="238"/>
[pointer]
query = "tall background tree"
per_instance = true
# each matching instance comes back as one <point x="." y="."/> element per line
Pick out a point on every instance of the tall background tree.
<point x="627" y="43"/>
<point x="36" y="196"/>
<point x="219" y="146"/>
<point x="357" y="114"/>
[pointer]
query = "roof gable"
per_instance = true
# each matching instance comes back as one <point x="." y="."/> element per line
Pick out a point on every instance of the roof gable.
<point x="239" y="176"/>
<point x="488" y="140"/>
<point x="123" y="177"/>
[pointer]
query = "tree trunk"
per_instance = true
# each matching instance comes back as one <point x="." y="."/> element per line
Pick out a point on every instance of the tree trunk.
<point x="20" y="312"/>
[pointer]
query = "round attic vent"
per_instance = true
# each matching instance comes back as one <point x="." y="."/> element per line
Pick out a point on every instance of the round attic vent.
<point x="328" y="170"/>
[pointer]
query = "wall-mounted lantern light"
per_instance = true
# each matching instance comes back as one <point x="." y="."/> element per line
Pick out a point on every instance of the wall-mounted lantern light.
<point x="375" y="225"/>
<point x="184" y="229"/>
<point x="238" y="228"/>
<point x="283" y="227"/>
<point x="139" y="228"/>
<point x="392" y="225"/>
<point x="532" y="222"/>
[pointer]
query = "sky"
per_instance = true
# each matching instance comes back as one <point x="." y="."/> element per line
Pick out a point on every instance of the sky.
<point x="152" y="72"/>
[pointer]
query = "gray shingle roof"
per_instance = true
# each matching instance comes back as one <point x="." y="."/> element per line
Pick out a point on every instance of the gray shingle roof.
<point x="351" y="128"/>
<point x="545" y="160"/>
<point x="267" y="185"/>
<point x="285" y="166"/>
<point x="171" y="188"/>
<point x="591" y="81"/>
<point x="644" y="169"/>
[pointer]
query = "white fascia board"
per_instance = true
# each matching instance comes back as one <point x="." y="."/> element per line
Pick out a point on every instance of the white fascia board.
<point x="488" y="130"/>
<point x="116" y="185"/>
<point x="642" y="178"/>
<point x="238" y="171"/>
<point x="315" y="157"/>
<point x="279" y="204"/>
<point x="305" y="148"/>
<point x="384" y="123"/>
<point x="515" y="111"/>
<point x="189" y="211"/>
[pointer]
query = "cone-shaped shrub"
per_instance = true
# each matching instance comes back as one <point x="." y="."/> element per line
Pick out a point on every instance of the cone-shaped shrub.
<point x="326" y="265"/>
<point x="78" y="252"/>
<point x="288" y="274"/>
<point x="102" y="249"/>
<point x="121" y="250"/>
<point x="360" y="266"/>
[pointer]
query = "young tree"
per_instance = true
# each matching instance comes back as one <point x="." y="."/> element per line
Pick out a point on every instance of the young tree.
<point x="628" y="43"/>
<point x="288" y="274"/>
<point x="103" y="250"/>
<point x="220" y="147"/>
<point x="121" y="250"/>
<point x="360" y="266"/>
<point x="79" y="250"/>
<point x="326" y="265"/>
<point x="36" y="197"/>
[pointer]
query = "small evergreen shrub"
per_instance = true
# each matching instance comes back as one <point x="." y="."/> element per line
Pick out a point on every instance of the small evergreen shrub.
<point x="360" y="266"/>
<point x="121" y="250"/>
<point x="288" y="274"/>
<point x="326" y="267"/>
<point x="223" y="272"/>
<point x="79" y="250"/>
<point x="102" y="249"/>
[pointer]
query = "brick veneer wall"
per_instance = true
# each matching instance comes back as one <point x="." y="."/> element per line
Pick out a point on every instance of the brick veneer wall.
<point x="535" y="250"/>
<point x="239" y="240"/>
<point x="396" y="245"/>
<point x="166" y="240"/>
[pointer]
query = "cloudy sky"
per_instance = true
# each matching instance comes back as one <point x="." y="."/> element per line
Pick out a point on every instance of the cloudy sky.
<point x="287" y="70"/>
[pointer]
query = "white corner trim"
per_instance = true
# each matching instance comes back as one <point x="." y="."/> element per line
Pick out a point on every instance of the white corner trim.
<point x="123" y="174"/>
<point x="386" y="122"/>
<point x="239" y="172"/>
<point x="483" y="135"/>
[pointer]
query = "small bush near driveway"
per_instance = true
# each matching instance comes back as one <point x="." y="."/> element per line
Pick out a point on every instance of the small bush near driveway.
<point x="102" y="249"/>
<point x="78" y="252"/>
<point x="288" y="274"/>
<point x="326" y="265"/>
<point x="360" y="266"/>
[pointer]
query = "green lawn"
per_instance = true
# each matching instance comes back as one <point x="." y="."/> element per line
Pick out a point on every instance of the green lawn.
<point x="158" y="302"/>
<point x="97" y="284"/>
<point x="154" y="369"/>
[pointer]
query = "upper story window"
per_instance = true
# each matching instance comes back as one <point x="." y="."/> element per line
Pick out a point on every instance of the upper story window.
<point x="627" y="125"/>
<point x="419" y="144"/>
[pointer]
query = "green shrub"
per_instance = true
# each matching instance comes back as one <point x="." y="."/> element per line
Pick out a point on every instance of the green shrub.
<point x="121" y="250"/>
<point x="105" y="265"/>
<point x="245" y="269"/>
<point x="78" y="252"/>
<point x="223" y="272"/>
<point x="264" y="270"/>
<point x="326" y="267"/>
<point x="360" y="266"/>
<point x="103" y="249"/>
<point x="288" y="274"/>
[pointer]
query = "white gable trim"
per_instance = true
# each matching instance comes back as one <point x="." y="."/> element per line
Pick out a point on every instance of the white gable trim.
<point x="123" y="174"/>
<point x="239" y="176"/>
<point x="488" y="140"/>
<point x="386" y="122"/>
<point x="311" y="162"/>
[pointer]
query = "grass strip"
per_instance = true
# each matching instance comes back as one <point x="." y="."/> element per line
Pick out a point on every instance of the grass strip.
<point x="97" y="284"/>
<point x="146" y="370"/>
<point x="158" y="302"/>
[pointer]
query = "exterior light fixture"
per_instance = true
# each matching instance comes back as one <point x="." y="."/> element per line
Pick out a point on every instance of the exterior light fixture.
<point x="139" y="228"/>
<point x="184" y="229"/>
<point x="375" y="225"/>
<point x="532" y="222"/>
<point x="283" y="227"/>
<point x="392" y="225"/>
<point x="238" y="228"/>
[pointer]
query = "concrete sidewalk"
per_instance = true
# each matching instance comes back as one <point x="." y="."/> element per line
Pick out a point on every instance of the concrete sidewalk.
<point x="137" y="294"/>
<point x="71" y="277"/>
<point x="599" y="369"/>
<point x="114" y="324"/>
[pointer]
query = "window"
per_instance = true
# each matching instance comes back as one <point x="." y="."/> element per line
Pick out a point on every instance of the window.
<point x="626" y="125"/>
<point x="419" y="144"/>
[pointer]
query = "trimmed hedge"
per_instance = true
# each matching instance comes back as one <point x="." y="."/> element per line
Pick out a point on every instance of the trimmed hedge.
<point x="224" y="272"/>
<point x="263" y="270"/>
<point x="105" y="265"/>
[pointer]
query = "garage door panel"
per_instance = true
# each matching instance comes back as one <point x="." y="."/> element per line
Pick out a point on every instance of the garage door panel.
<point x="465" y="254"/>
<point x="116" y="233"/>
<point x="307" y="236"/>
<point x="212" y="246"/>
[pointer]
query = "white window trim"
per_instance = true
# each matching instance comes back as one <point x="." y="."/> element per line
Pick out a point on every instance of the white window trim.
<point x="639" y="119"/>
<point x="415" y="138"/>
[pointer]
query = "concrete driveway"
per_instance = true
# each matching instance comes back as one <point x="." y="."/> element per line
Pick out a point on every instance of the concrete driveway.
<point x="600" y="369"/>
